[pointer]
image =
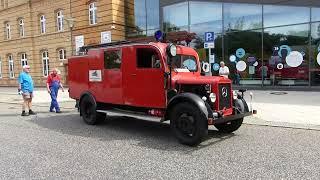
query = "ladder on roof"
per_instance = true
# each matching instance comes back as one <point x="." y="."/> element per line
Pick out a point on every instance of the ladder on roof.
<point x="86" y="48"/>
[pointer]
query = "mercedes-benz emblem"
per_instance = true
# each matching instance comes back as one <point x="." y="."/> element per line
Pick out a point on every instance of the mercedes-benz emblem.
<point x="224" y="92"/>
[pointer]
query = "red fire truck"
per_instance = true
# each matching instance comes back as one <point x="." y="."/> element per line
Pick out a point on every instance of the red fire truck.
<point x="154" y="81"/>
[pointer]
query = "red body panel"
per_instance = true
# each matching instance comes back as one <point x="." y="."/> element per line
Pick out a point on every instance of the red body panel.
<point x="132" y="86"/>
<point x="78" y="76"/>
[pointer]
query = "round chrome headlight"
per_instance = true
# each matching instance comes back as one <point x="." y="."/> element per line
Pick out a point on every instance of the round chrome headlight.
<point x="172" y="50"/>
<point x="213" y="97"/>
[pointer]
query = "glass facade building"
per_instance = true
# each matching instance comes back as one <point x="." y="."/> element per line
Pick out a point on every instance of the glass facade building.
<point x="269" y="44"/>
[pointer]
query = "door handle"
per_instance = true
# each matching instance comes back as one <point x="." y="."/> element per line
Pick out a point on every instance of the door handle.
<point x="133" y="74"/>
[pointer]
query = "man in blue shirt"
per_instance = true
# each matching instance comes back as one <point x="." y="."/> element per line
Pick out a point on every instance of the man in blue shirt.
<point x="26" y="88"/>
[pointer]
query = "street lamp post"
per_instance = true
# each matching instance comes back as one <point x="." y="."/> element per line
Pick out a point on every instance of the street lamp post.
<point x="70" y="22"/>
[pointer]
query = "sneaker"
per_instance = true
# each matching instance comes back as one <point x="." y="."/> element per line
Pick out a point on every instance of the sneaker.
<point x="24" y="113"/>
<point x="58" y="112"/>
<point x="51" y="110"/>
<point x="32" y="113"/>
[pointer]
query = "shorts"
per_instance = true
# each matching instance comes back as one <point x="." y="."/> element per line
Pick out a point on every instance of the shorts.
<point x="27" y="95"/>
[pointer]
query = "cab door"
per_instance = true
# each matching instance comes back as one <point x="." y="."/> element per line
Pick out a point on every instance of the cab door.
<point x="144" y="79"/>
<point x="111" y="91"/>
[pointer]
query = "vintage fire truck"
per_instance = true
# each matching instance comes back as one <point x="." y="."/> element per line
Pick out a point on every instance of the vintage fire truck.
<point x="154" y="81"/>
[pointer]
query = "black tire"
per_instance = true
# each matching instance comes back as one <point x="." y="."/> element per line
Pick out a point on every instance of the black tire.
<point x="235" y="124"/>
<point x="88" y="110"/>
<point x="188" y="124"/>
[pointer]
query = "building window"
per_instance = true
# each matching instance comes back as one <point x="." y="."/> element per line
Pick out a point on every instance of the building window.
<point x="0" y="68"/>
<point x="8" y="31"/>
<point x="42" y="24"/>
<point x="92" y="13"/>
<point x="11" y="66"/>
<point x="173" y="20"/>
<point x="62" y="54"/>
<point x="45" y="63"/>
<point x="24" y="60"/>
<point x="60" y="21"/>
<point x="21" y="27"/>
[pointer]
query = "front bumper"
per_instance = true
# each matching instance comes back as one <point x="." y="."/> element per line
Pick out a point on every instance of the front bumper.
<point x="226" y="119"/>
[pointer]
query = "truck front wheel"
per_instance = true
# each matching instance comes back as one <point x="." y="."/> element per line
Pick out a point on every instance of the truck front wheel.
<point x="88" y="110"/>
<point x="188" y="124"/>
<point x="234" y="125"/>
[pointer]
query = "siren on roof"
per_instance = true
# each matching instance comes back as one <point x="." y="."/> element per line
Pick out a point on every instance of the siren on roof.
<point x="159" y="36"/>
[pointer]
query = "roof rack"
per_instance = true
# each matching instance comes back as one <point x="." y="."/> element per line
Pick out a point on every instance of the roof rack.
<point x="86" y="48"/>
<point x="170" y="37"/>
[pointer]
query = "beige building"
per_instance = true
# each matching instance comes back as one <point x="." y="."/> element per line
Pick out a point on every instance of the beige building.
<point x="35" y="32"/>
<point x="99" y="21"/>
<point x="44" y="33"/>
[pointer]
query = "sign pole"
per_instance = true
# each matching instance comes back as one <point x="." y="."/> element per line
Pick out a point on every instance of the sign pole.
<point x="209" y="44"/>
<point x="210" y="73"/>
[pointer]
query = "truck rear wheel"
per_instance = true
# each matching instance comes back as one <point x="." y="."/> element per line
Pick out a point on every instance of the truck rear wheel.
<point x="88" y="111"/>
<point x="234" y="125"/>
<point x="188" y="124"/>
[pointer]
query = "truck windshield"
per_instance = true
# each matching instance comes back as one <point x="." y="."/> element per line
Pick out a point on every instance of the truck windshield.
<point x="184" y="62"/>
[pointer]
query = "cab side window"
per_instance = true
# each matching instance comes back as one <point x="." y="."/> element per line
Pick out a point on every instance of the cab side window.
<point x="112" y="59"/>
<point x="148" y="58"/>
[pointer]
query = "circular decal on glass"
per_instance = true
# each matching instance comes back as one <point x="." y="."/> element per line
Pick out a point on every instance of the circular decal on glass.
<point x="294" y="59"/>
<point x="284" y="51"/>
<point x="233" y="58"/>
<point x="240" y="53"/>
<point x="216" y="67"/>
<point x="318" y="58"/>
<point x="206" y="67"/>
<point x="241" y="66"/>
<point x="280" y="66"/>
<point x="256" y="64"/>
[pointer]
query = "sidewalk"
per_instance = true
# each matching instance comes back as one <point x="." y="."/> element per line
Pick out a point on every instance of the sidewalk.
<point x="40" y="96"/>
<point x="294" y="109"/>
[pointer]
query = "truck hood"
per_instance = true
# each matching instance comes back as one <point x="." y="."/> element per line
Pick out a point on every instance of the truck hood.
<point x="190" y="78"/>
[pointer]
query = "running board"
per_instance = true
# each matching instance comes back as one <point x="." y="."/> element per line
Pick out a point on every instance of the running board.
<point x="129" y="114"/>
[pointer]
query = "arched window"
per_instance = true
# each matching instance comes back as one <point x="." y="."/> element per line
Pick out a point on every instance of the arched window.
<point x="11" y="66"/>
<point x="21" y="27"/>
<point x="8" y="30"/>
<point x="92" y="13"/>
<point x="45" y="63"/>
<point x="60" y="20"/>
<point x="62" y="54"/>
<point x="42" y="24"/>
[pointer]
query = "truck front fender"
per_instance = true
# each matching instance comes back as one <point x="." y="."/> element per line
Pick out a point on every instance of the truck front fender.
<point x="190" y="98"/>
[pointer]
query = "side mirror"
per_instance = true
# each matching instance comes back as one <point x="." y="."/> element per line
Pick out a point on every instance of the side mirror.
<point x="205" y="67"/>
<point x="169" y="61"/>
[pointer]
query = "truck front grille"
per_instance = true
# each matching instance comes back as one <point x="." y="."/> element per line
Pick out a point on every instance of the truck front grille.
<point x="224" y="96"/>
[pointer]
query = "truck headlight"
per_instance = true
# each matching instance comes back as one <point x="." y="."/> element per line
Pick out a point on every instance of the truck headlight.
<point x="213" y="97"/>
<point x="171" y="50"/>
<point x="235" y="95"/>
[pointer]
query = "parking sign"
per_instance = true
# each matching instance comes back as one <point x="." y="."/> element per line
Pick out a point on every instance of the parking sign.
<point x="209" y="40"/>
<point x="209" y="37"/>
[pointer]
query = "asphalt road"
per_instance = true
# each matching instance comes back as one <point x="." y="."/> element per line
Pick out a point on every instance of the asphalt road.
<point x="50" y="146"/>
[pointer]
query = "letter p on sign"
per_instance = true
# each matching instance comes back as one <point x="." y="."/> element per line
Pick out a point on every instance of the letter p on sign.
<point x="209" y="37"/>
